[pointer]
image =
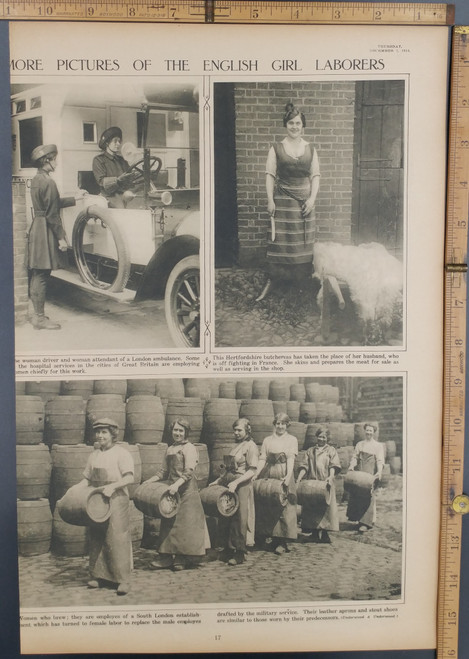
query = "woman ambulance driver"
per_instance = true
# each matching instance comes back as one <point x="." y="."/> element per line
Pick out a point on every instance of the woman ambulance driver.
<point x="110" y="169"/>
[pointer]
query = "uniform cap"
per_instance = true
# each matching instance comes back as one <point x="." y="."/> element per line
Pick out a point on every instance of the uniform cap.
<point x="105" y="422"/>
<point x="43" y="150"/>
<point x="108" y="134"/>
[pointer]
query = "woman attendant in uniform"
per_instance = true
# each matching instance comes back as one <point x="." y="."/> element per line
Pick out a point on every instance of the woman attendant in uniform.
<point x="368" y="457"/>
<point x="292" y="183"/>
<point x="110" y="466"/>
<point x="46" y="237"/>
<point x="183" y="538"/>
<point x="110" y="169"/>
<point x="276" y="460"/>
<point x="321" y="463"/>
<point x="237" y="532"/>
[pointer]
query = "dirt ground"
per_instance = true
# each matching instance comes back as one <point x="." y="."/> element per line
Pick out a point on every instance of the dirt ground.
<point x="288" y="316"/>
<point x="354" y="567"/>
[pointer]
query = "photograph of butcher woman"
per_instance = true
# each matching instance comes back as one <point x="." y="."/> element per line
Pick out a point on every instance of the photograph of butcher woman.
<point x="292" y="184"/>
<point x="111" y="170"/>
<point x="46" y="242"/>
<point x="321" y="463"/>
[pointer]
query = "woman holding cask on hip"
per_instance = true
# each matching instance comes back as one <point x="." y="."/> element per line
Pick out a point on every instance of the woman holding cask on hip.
<point x="276" y="461"/>
<point x="238" y="531"/>
<point x="292" y="183"/>
<point x="183" y="538"/>
<point x="111" y="467"/>
<point x="321" y="463"/>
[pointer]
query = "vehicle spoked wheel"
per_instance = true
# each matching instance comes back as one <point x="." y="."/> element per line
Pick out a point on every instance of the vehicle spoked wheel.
<point x="182" y="302"/>
<point x="100" y="250"/>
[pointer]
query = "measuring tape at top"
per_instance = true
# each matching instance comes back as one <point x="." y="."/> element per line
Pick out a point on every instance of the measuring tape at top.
<point x="219" y="11"/>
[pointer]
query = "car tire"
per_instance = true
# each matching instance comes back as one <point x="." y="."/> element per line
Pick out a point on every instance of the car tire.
<point x="123" y="259"/>
<point x="182" y="302"/>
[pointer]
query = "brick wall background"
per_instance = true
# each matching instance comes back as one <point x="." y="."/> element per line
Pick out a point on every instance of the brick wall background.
<point x="329" y="110"/>
<point x="19" y="249"/>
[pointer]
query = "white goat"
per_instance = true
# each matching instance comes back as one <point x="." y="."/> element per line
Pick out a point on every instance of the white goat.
<point x="373" y="276"/>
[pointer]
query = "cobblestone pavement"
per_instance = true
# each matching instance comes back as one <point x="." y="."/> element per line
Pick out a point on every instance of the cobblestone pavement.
<point x="353" y="567"/>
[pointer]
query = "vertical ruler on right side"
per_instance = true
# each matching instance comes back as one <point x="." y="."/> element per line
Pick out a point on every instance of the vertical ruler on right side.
<point x="453" y="503"/>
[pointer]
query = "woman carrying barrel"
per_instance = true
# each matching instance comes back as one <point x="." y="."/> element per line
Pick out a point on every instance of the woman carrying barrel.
<point x="237" y="532"/>
<point x="276" y="460"/>
<point x="183" y="538"/>
<point x="369" y="458"/>
<point x="321" y="463"/>
<point x="111" y="467"/>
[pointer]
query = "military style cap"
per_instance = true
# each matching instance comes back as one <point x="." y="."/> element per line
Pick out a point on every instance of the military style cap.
<point x="108" y="134"/>
<point x="43" y="150"/>
<point x="105" y="422"/>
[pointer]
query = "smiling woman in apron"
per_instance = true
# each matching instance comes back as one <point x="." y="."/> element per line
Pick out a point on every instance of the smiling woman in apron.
<point x="111" y="466"/>
<point x="46" y="237"/>
<point x="237" y="532"/>
<point x="276" y="460"/>
<point x="369" y="458"/>
<point x="183" y="538"/>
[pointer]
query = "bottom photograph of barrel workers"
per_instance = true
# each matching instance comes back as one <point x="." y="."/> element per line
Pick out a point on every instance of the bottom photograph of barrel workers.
<point x="152" y="491"/>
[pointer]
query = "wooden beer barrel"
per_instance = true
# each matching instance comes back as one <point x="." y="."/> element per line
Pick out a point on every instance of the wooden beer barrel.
<point x="345" y="455"/>
<point x="145" y="419"/>
<point x="33" y="472"/>
<point x="218" y="418"/>
<point x="312" y="390"/>
<point x="29" y="420"/>
<point x="141" y="387"/>
<point x="396" y="465"/>
<point x="152" y="458"/>
<point x="170" y="388"/>
<point x="244" y="388"/>
<point x="293" y="410"/>
<point x="153" y="500"/>
<point x="313" y="493"/>
<point x="68" y="539"/>
<point x="298" y="392"/>
<point x="83" y="388"/>
<point x="280" y="407"/>
<point x="260" y="388"/>
<point x="187" y="408"/>
<point x="217" y="455"/>
<point x="308" y="412"/>
<point x="112" y="387"/>
<point x="260" y="414"/>
<point x="65" y="420"/>
<point x="359" y="483"/>
<point x="83" y="505"/>
<point x="298" y="462"/>
<point x="46" y="389"/>
<point x="279" y="390"/>
<point x="68" y="465"/>
<point x="105" y="406"/>
<point x="270" y="492"/>
<point x="321" y="412"/>
<point x="218" y="501"/>
<point x="227" y="389"/>
<point x="197" y="388"/>
<point x="20" y="388"/>
<point x="34" y="527"/>
<point x="390" y="449"/>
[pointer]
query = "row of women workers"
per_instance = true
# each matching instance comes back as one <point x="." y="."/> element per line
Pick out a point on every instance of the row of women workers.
<point x="184" y="538"/>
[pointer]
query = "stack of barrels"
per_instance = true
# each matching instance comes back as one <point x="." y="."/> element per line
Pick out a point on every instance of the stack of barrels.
<point x="55" y="437"/>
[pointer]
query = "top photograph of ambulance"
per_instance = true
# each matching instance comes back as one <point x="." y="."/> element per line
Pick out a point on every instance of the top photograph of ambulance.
<point x="133" y="235"/>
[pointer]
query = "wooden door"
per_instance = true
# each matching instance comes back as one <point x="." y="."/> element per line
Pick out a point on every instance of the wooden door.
<point x="377" y="206"/>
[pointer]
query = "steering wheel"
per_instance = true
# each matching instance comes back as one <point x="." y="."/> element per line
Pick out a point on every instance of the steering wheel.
<point x="155" y="166"/>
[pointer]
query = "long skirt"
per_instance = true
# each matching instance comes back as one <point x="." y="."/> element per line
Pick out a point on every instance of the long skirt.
<point x="322" y="515"/>
<point x="275" y="521"/>
<point x="294" y="234"/>
<point x="362" y="508"/>
<point x="42" y="252"/>
<point x="110" y="543"/>
<point x="185" y="534"/>
<point x="237" y="532"/>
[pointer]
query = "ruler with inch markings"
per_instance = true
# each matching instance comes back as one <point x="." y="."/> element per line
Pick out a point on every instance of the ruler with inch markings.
<point x="453" y="502"/>
<point x="219" y="11"/>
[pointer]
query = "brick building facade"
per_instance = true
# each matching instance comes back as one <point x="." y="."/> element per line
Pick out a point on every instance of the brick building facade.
<point x="19" y="249"/>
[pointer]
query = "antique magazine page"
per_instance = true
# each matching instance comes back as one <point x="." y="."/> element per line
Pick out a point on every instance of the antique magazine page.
<point x="228" y="247"/>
